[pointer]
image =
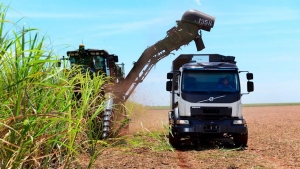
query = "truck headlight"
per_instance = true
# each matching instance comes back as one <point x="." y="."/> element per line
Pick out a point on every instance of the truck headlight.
<point x="182" y="122"/>
<point x="240" y="121"/>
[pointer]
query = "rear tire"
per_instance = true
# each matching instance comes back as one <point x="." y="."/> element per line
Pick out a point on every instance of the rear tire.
<point x="241" y="140"/>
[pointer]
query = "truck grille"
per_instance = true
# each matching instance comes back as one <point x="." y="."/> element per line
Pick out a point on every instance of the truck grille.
<point x="211" y="111"/>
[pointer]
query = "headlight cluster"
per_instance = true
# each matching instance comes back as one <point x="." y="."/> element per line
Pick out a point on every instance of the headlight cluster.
<point x="182" y="122"/>
<point x="239" y="121"/>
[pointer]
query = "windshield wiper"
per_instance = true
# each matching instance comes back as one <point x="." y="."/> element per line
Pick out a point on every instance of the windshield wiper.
<point x="195" y="91"/>
<point x="226" y="91"/>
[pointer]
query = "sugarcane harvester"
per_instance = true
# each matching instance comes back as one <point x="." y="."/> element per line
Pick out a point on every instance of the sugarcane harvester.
<point x="187" y="29"/>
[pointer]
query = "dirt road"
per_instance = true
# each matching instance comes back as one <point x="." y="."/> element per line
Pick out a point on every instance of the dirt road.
<point x="274" y="142"/>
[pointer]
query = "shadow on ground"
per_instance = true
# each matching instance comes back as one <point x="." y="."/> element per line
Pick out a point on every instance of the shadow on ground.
<point x="202" y="145"/>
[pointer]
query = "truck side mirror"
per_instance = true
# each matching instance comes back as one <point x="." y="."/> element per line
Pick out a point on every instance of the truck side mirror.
<point x="169" y="75"/>
<point x="169" y="86"/>
<point x="250" y="86"/>
<point x="249" y="76"/>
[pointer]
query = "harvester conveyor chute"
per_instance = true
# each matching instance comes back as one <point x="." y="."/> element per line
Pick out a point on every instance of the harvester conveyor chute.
<point x="187" y="29"/>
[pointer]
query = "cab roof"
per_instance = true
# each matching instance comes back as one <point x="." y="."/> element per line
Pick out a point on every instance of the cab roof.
<point x="210" y="65"/>
<point x="204" y="60"/>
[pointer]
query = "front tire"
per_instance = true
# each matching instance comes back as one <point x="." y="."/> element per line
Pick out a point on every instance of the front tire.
<point x="240" y="140"/>
<point x="174" y="139"/>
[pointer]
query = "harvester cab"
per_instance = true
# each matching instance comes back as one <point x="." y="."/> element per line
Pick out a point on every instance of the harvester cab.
<point x="96" y="61"/>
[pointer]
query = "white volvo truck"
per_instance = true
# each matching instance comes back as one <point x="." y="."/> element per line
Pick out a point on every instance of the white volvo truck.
<point x="206" y="99"/>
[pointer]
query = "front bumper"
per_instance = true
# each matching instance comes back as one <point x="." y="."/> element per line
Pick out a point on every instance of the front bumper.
<point x="210" y="127"/>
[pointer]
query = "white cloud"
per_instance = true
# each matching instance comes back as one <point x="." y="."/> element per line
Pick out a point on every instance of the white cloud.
<point x="118" y="28"/>
<point x="259" y="15"/>
<point x="88" y="15"/>
<point x="198" y="2"/>
<point x="46" y="15"/>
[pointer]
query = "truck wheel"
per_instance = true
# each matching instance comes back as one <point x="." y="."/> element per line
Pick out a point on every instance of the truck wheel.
<point x="174" y="140"/>
<point x="240" y="140"/>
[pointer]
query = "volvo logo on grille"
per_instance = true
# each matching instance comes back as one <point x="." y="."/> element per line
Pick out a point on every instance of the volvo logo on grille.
<point x="211" y="99"/>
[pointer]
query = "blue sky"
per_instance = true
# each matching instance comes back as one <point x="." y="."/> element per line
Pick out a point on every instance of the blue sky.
<point x="264" y="36"/>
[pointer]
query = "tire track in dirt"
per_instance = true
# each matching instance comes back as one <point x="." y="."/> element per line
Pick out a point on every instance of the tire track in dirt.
<point x="182" y="161"/>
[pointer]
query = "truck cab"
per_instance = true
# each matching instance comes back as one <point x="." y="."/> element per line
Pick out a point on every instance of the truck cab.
<point x="206" y="99"/>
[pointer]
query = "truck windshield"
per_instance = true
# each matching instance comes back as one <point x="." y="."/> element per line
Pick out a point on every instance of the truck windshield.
<point x="210" y="81"/>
